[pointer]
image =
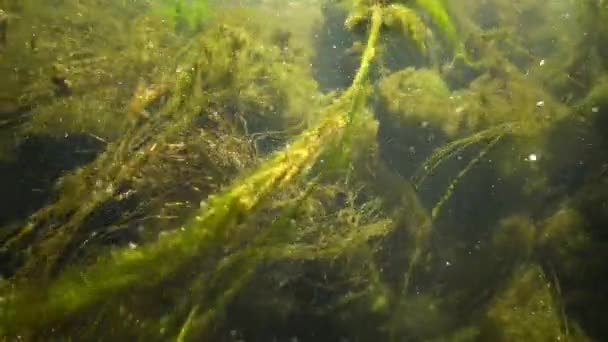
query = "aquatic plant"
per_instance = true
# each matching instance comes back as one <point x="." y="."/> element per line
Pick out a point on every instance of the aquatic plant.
<point x="215" y="217"/>
<point x="528" y="294"/>
<point x="52" y="78"/>
<point x="154" y="141"/>
<point x="234" y="188"/>
<point x="404" y="18"/>
<point x="186" y="16"/>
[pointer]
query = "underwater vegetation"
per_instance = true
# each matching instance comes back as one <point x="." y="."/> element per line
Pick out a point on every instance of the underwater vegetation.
<point x="405" y="170"/>
<point x="187" y="16"/>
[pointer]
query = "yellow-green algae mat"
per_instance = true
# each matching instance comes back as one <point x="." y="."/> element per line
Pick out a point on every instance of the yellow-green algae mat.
<point x="76" y="289"/>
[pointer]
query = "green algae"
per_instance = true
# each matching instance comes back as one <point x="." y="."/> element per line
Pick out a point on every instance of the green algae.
<point x="256" y="198"/>
<point x="525" y="310"/>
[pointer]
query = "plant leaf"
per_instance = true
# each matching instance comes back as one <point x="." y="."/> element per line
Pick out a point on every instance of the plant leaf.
<point x="438" y="12"/>
<point x="408" y="21"/>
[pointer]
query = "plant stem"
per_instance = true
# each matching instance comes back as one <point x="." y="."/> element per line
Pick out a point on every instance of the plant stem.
<point x="77" y="289"/>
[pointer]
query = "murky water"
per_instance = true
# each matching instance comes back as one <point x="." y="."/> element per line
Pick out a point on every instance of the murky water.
<point x="306" y="170"/>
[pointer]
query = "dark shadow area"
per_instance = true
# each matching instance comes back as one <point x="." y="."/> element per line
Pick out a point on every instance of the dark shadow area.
<point x="27" y="180"/>
<point x="333" y="66"/>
